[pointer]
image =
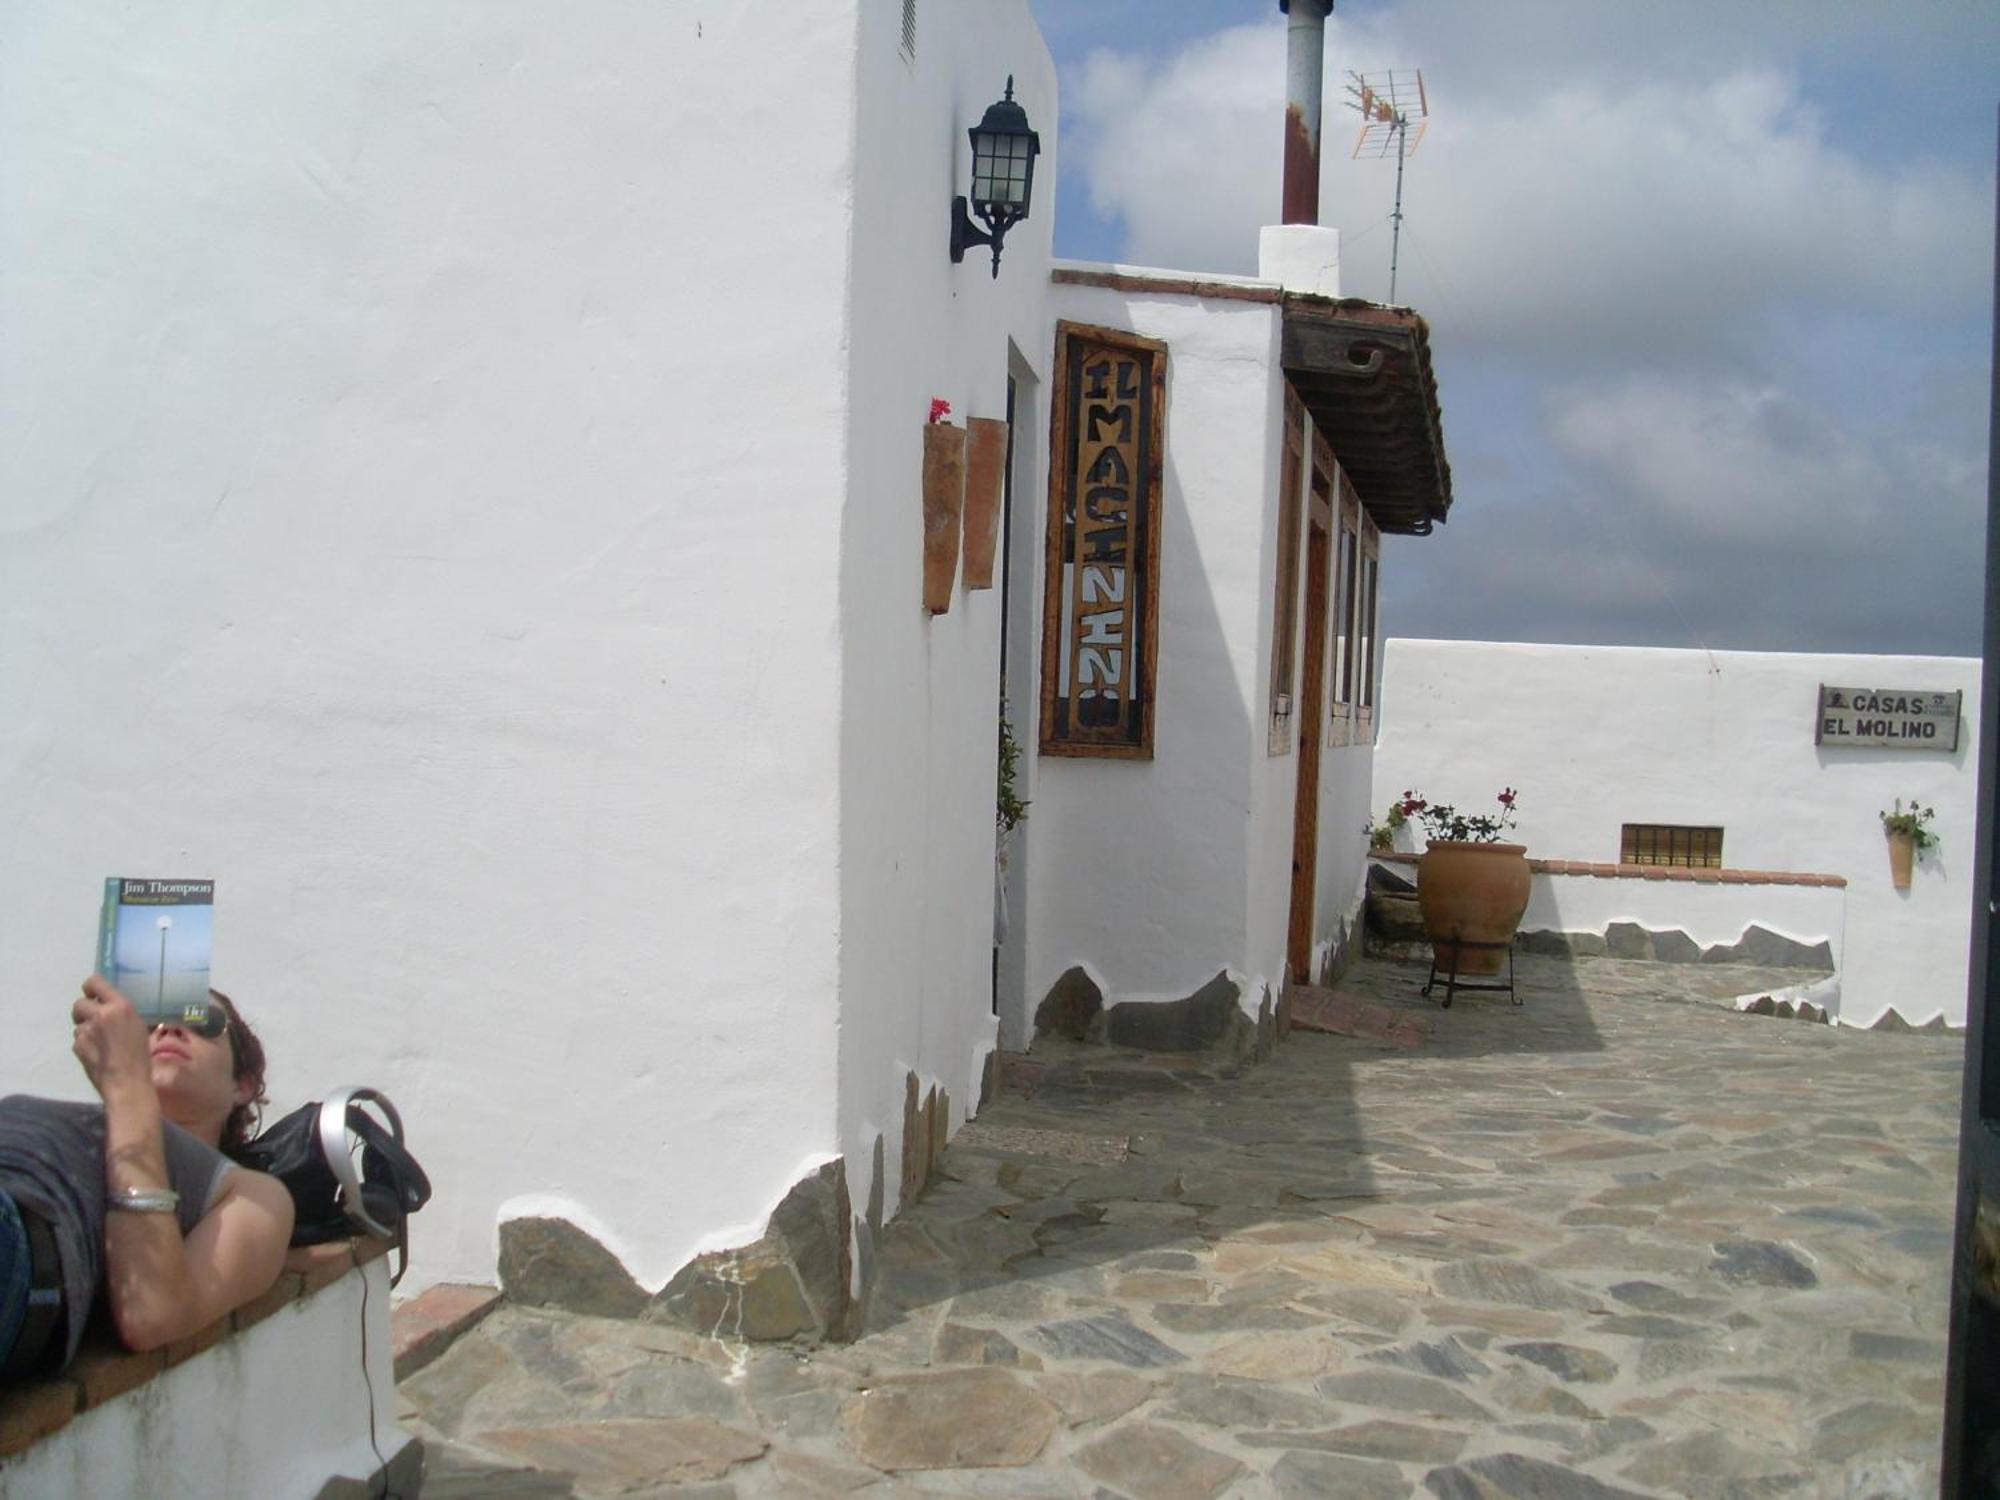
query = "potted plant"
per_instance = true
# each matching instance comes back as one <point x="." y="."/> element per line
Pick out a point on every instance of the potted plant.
<point x="1382" y="835"/>
<point x="1471" y="887"/>
<point x="1909" y="835"/>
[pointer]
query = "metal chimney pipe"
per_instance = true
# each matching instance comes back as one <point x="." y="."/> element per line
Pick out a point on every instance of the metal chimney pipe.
<point x="1305" y="60"/>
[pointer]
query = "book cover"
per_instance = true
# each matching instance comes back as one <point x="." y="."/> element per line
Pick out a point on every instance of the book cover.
<point x="154" y="941"/>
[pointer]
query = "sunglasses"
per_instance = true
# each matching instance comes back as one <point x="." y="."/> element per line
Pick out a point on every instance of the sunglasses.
<point x="200" y="1018"/>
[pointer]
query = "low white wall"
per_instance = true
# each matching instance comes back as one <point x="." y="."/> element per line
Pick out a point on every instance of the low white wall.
<point x="920" y="694"/>
<point x="271" y="1413"/>
<point x="1345" y="774"/>
<point x="1148" y="872"/>
<point x="1595" y="737"/>
<point x="1711" y="914"/>
<point x="425" y="454"/>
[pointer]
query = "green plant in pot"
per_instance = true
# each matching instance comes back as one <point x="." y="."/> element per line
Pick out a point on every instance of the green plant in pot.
<point x="1382" y="835"/>
<point x="1909" y="834"/>
<point x="1471" y="887"/>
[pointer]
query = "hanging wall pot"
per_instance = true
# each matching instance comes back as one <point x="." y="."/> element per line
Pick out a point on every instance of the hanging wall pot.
<point x="944" y="500"/>
<point x="985" y="466"/>
<point x="1902" y="859"/>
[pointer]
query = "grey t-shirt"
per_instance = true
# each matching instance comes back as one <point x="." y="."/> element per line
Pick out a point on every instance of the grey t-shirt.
<point x="52" y="1160"/>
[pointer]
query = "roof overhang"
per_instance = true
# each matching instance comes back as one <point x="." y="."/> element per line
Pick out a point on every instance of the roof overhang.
<point x="1364" y="372"/>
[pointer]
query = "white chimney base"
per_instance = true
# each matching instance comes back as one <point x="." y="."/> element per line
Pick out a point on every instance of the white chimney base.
<point x="1300" y="258"/>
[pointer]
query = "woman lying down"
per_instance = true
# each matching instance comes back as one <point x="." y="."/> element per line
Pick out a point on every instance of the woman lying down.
<point x="136" y="1199"/>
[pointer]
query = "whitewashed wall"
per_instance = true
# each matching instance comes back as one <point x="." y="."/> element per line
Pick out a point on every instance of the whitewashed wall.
<point x="1711" y="914"/>
<point x="426" y="445"/>
<point x="920" y="694"/>
<point x="1147" y="872"/>
<point x="250" y="1419"/>
<point x="1595" y="737"/>
<point x="1346" y="776"/>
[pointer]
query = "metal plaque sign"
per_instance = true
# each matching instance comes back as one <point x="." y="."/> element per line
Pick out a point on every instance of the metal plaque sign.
<point x="1894" y="718"/>
<point x="1103" y="544"/>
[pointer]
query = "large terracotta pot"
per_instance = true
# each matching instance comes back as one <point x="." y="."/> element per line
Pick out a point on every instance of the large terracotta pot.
<point x="1472" y="894"/>
<point x="1902" y="857"/>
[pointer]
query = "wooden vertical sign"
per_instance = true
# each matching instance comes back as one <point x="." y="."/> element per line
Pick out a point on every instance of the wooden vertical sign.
<point x="1101" y="605"/>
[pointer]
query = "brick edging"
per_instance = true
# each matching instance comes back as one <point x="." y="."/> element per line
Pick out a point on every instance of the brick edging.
<point x="101" y="1371"/>
<point x="1648" y="872"/>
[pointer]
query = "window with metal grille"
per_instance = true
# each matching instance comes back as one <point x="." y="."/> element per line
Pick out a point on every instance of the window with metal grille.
<point x="1670" y="844"/>
<point x="910" y="28"/>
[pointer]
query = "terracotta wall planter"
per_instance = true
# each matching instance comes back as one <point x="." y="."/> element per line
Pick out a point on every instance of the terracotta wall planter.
<point x="944" y="499"/>
<point x="1902" y="859"/>
<point x="1474" y="894"/>
<point x="985" y="463"/>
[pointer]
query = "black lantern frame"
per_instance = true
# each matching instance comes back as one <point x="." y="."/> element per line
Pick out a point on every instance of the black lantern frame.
<point x="1003" y="178"/>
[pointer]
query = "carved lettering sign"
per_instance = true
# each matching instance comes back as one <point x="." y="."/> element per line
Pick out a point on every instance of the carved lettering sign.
<point x="1100" y="608"/>
<point x="1896" y="718"/>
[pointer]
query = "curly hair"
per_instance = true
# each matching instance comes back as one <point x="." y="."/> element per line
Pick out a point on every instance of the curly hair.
<point x="246" y="1065"/>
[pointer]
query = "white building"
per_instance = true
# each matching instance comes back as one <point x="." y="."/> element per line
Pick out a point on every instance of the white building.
<point x="1720" y="762"/>
<point x="464" y="495"/>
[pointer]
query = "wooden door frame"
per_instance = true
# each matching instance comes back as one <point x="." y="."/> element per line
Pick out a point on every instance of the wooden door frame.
<point x="1312" y="706"/>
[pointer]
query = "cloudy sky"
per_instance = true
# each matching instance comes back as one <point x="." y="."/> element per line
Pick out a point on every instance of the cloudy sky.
<point x="1709" y="287"/>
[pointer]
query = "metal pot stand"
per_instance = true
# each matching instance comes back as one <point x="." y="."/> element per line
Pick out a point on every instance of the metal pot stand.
<point x="1453" y="984"/>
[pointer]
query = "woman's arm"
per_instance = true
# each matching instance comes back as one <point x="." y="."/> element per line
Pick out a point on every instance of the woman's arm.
<point x="160" y="1286"/>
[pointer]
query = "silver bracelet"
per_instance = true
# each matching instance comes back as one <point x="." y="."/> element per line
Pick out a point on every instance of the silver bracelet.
<point x="137" y="1200"/>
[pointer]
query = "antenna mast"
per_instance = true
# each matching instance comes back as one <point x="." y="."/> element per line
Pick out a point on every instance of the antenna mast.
<point x="1389" y="103"/>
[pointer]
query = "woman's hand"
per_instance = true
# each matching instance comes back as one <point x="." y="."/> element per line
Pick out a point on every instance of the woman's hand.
<point x="111" y="1039"/>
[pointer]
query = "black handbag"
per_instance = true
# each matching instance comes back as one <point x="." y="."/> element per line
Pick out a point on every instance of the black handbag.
<point x="345" y="1170"/>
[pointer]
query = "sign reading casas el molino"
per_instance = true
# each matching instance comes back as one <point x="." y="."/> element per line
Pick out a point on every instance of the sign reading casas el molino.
<point x="1100" y="613"/>
<point x="1895" y="717"/>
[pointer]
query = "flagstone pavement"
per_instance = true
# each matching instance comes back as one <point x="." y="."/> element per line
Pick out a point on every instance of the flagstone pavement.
<point x="1619" y="1240"/>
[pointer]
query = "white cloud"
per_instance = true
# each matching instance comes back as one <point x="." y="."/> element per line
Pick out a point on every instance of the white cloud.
<point x="1706" y="348"/>
<point x="1731" y="462"/>
<point x="1563" y="210"/>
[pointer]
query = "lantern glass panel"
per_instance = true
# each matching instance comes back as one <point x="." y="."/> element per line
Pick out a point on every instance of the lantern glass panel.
<point x="1010" y="171"/>
<point x="986" y="166"/>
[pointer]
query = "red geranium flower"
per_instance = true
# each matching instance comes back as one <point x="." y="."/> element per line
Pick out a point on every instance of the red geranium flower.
<point x="940" y="408"/>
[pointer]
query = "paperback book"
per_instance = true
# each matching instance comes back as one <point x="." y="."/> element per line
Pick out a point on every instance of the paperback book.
<point x="154" y="941"/>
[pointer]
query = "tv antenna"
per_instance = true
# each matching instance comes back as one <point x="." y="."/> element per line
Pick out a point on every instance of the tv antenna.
<point x="1390" y="103"/>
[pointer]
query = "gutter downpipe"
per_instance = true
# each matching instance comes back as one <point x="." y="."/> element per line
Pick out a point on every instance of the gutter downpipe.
<point x="1305" y="63"/>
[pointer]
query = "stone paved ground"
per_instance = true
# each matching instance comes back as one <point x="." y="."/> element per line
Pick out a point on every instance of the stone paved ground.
<point x="1616" y="1241"/>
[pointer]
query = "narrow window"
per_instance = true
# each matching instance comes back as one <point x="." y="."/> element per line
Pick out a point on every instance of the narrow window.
<point x="1285" y="609"/>
<point x="1367" y="607"/>
<point x="1347" y="583"/>
<point x="1670" y="844"/>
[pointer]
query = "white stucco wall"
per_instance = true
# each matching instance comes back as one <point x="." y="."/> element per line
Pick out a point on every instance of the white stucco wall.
<point x="1346" y="782"/>
<point x="1148" y="873"/>
<point x="426" y="442"/>
<point x="272" y="1413"/>
<point x="920" y="694"/>
<point x="1595" y="737"/>
<point x="1709" y="914"/>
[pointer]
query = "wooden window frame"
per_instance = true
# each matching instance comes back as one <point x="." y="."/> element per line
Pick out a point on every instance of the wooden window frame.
<point x="1062" y="593"/>
<point x="1356" y="670"/>
<point x="1690" y="846"/>
<point x="1293" y="481"/>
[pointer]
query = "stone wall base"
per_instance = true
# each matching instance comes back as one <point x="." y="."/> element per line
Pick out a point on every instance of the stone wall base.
<point x="792" y="1283"/>
<point x="1209" y="1020"/>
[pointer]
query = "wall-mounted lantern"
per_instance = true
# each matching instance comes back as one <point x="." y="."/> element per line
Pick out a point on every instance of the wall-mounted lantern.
<point x="1003" y="178"/>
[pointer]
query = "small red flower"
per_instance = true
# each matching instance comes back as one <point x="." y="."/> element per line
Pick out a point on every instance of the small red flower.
<point x="1507" y="795"/>
<point x="940" y="408"/>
